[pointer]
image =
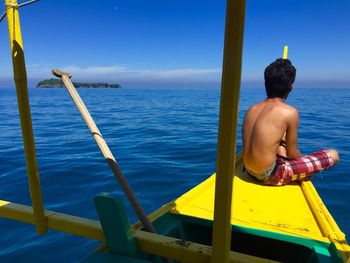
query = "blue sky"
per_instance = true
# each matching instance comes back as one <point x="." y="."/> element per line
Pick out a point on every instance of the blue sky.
<point x="179" y="43"/>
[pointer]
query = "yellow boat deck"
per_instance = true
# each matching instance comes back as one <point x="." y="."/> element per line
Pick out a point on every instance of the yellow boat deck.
<point x="293" y="209"/>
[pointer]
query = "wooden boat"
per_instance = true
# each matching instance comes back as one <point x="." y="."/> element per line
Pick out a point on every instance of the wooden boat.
<point x="289" y="224"/>
<point x="284" y="224"/>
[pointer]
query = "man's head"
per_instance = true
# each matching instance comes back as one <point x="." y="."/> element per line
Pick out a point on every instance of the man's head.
<point x="279" y="78"/>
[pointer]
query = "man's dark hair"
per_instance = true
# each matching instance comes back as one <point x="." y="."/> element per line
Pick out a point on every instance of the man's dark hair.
<point x="279" y="77"/>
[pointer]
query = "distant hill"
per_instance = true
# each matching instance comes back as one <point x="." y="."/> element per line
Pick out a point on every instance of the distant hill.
<point x="57" y="83"/>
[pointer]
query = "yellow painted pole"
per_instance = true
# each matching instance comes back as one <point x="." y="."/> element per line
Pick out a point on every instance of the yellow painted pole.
<point x="285" y="52"/>
<point x="20" y="77"/>
<point x="230" y="88"/>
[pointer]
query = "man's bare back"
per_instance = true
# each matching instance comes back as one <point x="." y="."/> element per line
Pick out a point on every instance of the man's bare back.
<point x="272" y="121"/>
<point x="264" y="127"/>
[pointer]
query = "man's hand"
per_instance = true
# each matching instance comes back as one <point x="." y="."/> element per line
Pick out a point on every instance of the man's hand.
<point x="283" y="141"/>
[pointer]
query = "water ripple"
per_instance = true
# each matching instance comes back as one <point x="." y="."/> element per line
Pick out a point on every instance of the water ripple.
<point x="164" y="141"/>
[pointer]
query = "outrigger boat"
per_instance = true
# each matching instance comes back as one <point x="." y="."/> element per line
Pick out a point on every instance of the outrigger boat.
<point x="199" y="226"/>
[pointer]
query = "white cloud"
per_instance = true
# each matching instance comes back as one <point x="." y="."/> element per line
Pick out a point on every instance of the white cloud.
<point x="179" y="73"/>
<point x="95" y="70"/>
<point x="123" y="73"/>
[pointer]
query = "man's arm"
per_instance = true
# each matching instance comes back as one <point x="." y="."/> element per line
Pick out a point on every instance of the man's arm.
<point x="292" y="135"/>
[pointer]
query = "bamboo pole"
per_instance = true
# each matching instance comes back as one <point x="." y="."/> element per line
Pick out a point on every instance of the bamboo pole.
<point x="20" y="77"/>
<point x="107" y="154"/>
<point x="230" y="89"/>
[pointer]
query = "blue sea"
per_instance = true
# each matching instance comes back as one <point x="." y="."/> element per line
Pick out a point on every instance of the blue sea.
<point x="165" y="142"/>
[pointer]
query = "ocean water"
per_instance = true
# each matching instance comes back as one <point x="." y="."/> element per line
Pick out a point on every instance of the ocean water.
<point x="165" y="143"/>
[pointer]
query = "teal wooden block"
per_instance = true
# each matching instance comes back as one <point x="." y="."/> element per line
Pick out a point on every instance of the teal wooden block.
<point x="115" y="224"/>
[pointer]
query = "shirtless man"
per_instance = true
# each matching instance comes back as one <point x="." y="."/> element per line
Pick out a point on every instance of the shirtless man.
<point x="270" y="134"/>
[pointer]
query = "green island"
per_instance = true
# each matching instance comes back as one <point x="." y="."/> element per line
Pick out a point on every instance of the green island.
<point x="57" y="83"/>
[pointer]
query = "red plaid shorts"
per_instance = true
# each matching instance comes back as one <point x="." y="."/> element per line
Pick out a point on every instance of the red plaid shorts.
<point x="287" y="170"/>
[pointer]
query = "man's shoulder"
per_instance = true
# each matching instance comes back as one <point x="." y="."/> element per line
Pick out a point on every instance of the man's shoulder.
<point x="291" y="114"/>
<point x="281" y="107"/>
<point x="288" y="109"/>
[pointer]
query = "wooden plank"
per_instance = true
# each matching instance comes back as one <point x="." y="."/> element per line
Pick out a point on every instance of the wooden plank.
<point x="58" y="221"/>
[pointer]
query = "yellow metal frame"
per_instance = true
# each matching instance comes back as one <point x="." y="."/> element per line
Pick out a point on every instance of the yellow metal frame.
<point x="20" y="76"/>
